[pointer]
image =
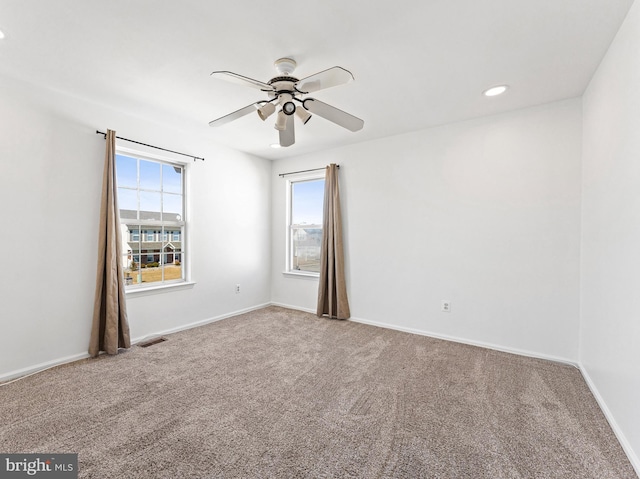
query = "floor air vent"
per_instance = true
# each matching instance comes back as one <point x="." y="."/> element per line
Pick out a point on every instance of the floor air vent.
<point x="151" y="342"/>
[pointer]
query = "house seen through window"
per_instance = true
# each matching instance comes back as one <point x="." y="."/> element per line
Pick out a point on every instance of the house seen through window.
<point x="305" y="224"/>
<point x="152" y="217"/>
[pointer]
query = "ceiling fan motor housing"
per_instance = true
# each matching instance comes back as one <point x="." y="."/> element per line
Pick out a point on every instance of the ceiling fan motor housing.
<point x="285" y="66"/>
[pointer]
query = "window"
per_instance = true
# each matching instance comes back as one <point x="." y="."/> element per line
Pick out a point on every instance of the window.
<point x="151" y="202"/>
<point x="304" y="238"/>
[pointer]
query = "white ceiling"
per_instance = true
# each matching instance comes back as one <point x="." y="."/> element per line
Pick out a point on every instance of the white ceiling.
<point x="416" y="63"/>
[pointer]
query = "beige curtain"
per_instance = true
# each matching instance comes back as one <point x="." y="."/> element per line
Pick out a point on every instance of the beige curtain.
<point x="110" y="329"/>
<point x="332" y="291"/>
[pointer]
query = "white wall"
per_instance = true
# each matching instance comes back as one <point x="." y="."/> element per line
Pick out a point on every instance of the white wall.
<point x="50" y="184"/>
<point x="484" y="213"/>
<point x="610" y="327"/>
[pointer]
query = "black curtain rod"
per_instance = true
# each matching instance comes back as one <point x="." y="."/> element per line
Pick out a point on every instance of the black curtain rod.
<point x="151" y="146"/>
<point x="304" y="171"/>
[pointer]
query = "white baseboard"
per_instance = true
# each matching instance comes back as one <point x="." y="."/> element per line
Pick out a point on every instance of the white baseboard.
<point x="622" y="439"/>
<point x="195" y="324"/>
<point x="36" y="368"/>
<point x="520" y="352"/>
<point x="297" y="308"/>
<point x="481" y="344"/>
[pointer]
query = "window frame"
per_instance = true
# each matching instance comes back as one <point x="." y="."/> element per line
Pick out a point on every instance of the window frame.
<point x="290" y="181"/>
<point x="145" y="225"/>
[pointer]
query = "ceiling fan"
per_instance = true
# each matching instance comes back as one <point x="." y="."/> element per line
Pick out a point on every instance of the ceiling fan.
<point x="284" y="91"/>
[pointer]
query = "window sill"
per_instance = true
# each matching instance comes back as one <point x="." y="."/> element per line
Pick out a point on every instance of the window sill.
<point x="301" y="274"/>
<point x="164" y="288"/>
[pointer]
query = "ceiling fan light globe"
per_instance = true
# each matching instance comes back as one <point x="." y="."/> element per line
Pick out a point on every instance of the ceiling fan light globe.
<point x="303" y="115"/>
<point x="289" y="108"/>
<point x="266" y="110"/>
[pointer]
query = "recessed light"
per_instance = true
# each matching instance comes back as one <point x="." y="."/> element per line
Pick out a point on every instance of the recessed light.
<point x="275" y="145"/>
<point x="496" y="90"/>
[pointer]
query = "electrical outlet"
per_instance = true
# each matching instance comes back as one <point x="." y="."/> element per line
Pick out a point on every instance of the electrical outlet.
<point x="445" y="306"/>
<point x="237" y="288"/>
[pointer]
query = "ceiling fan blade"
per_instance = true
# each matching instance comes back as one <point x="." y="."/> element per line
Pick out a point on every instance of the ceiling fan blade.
<point x="325" y="79"/>
<point x="242" y="80"/>
<point x="287" y="136"/>
<point x="333" y="114"/>
<point x="223" y="120"/>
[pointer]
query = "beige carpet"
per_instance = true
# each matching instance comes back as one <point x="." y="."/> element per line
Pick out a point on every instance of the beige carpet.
<point x="279" y="394"/>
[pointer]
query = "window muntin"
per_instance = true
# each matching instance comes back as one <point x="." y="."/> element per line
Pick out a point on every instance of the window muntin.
<point x="304" y="238"/>
<point x="152" y="216"/>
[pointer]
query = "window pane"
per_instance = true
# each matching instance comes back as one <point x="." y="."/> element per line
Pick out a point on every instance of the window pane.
<point x="149" y="205"/>
<point x="306" y="243"/>
<point x="307" y="202"/>
<point x="130" y="244"/>
<point x="172" y="207"/>
<point x="131" y="269"/>
<point x="172" y="266"/>
<point x="126" y="171"/>
<point x="149" y="175"/>
<point x="171" y="179"/>
<point x="130" y="236"/>
<point x="172" y="235"/>
<point x="151" y="271"/>
<point x="128" y="203"/>
<point x="131" y="253"/>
